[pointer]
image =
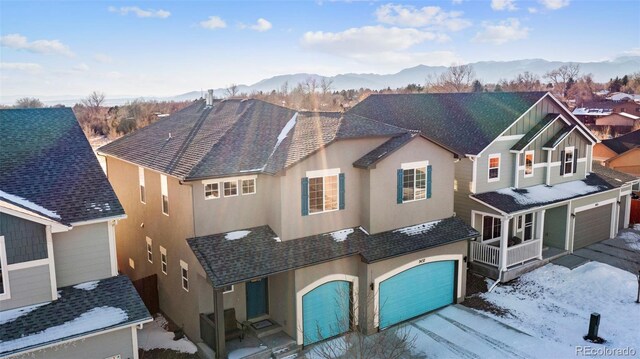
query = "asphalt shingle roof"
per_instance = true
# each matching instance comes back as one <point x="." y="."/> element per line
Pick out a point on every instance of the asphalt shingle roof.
<point x="259" y="253"/>
<point x="115" y="292"/>
<point x="623" y="143"/>
<point x="611" y="176"/>
<point x="46" y="159"/>
<point x="463" y="122"/>
<point x="383" y="150"/>
<point x="535" y="131"/>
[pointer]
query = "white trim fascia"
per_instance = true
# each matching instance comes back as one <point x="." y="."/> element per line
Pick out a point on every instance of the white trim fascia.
<point x="625" y="192"/>
<point x="494" y="155"/>
<point x="594" y="205"/>
<point x="326" y="279"/>
<point x="558" y="204"/>
<point x="502" y="213"/>
<point x="513" y="123"/>
<point x="228" y="179"/>
<point x="112" y="247"/>
<point x="414" y="165"/>
<point x="417" y="262"/>
<point x="28" y="264"/>
<point x="555" y="164"/>
<point x="94" y="221"/>
<point x="5" y="272"/>
<point x="585" y="131"/>
<point x="540" y="133"/>
<point x="13" y="210"/>
<point x="558" y="144"/>
<point x="474" y="173"/>
<point x="52" y="264"/>
<point x="582" y="159"/>
<point x="323" y="173"/>
<point x="509" y="138"/>
<point x="137" y="165"/>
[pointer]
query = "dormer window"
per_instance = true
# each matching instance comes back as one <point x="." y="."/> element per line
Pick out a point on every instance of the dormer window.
<point x="494" y="167"/>
<point x="528" y="163"/>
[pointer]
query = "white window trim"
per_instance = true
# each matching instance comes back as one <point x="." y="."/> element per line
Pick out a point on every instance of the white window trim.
<point x="163" y="260"/>
<point x="237" y="188"/>
<point x="132" y="263"/>
<point x="255" y="186"/>
<point x="229" y="291"/>
<point x="205" y="190"/>
<point x="498" y="156"/>
<point x="533" y="163"/>
<point x="327" y="173"/>
<point x="184" y="266"/>
<point x="6" y="294"/>
<point x="563" y="161"/>
<point x="164" y="191"/>
<point x="141" y="183"/>
<point x="323" y="173"/>
<point x="149" y="248"/>
<point x="492" y="225"/>
<point x="413" y="166"/>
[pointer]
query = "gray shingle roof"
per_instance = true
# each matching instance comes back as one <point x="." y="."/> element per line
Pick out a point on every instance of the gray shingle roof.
<point x="611" y="176"/>
<point x="535" y="131"/>
<point x="259" y="254"/>
<point x="623" y="143"/>
<point x="116" y="292"/>
<point x="463" y="122"/>
<point x="46" y="159"/>
<point x="383" y="150"/>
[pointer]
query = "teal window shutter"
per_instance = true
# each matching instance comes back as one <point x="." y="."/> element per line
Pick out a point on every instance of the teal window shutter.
<point x="429" y="181"/>
<point x="305" y="196"/>
<point x="341" y="190"/>
<point x="399" y="189"/>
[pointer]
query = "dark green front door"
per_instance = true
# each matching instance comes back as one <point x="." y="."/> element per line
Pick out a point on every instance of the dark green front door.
<point x="257" y="294"/>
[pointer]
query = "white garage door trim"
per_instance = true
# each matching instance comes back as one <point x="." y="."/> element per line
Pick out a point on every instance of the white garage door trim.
<point x="314" y="285"/>
<point x="407" y="266"/>
<point x="612" y="225"/>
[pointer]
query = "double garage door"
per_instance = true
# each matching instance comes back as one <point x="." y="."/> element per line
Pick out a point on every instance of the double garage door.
<point x="591" y="226"/>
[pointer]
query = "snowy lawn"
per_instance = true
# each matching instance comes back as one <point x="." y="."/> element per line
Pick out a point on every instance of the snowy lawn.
<point x="154" y="336"/>
<point x="631" y="237"/>
<point x="554" y="303"/>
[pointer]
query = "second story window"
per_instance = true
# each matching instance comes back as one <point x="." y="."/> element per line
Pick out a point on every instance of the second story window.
<point x="494" y="168"/>
<point x="143" y="195"/>
<point x="230" y="188"/>
<point x="212" y="190"/>
<point x="184" y="270"/>
<point x="323" y="191"/>
<point x="568" y="161"/>
<point x="165" y="194"/>
<point x="163" y="259"/>
<point x="414" y="184"/>
<point x="149" y="250"/>
<point x="528" y="163"/>
<point x="248" y="186"/>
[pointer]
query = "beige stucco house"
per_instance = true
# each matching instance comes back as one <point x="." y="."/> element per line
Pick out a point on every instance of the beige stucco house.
<point x="307" y="224"/>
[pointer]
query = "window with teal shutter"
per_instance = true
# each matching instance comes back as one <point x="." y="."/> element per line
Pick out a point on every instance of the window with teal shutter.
<point x="429" y="181"/>
<point x="399" y="187"/>
<point x="341" y="190"/>
<point x="305" y="196"/>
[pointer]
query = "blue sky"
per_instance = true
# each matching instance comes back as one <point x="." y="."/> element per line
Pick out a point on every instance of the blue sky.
<point x="56" y="48"/>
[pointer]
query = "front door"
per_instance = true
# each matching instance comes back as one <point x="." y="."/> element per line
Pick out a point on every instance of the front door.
<point x="257" y="294"/>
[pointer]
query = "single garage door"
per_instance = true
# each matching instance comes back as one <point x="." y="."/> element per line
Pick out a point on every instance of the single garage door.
<point x="325" y="311"/>
<point x="417" y="291"/>
<point x="592" y="226"/>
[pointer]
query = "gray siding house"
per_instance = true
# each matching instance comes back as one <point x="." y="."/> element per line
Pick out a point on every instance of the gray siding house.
<point x="60" y="292"/>
<point x="525" y="178"/>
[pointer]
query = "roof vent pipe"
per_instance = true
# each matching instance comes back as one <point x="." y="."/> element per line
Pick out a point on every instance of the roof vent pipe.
<point x="210" y="97"/>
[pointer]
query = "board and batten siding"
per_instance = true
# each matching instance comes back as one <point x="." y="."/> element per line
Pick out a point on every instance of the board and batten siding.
<point x="82" y="254"/>
<point x="533" y="116"/>
<point x="24" y="240"/>
<point x="507" y="163"/>
<point x="580" y="143"/>
<point x="28" y="286"/>
<point x="118" y="342"/>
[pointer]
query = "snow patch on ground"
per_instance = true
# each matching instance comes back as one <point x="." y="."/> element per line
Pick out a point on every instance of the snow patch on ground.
<point x="8" y="316"/>
<point x="154" y="336"/>
<point x="554" y="304"/>
<point x="340" y="236"/>
<point x="87" y="285"/>
<point x="232" y="236"/>
<point x="28" y="204"/>
<point x="631" y="238"/>
<point x="334" y="348"/>
<point x="244" y="352"/>
<point x="417" y="229"/>
<point x="92" y="320"/>
<point x="545" y="194"/>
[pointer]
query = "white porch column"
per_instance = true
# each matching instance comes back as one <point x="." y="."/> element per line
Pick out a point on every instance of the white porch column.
<point x="516" y="176"/>
<point x="504" y="239"/>
<point x="540" y="229"/>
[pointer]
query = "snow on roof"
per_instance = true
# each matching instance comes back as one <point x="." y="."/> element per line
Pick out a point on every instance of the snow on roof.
<point x="628" y="115"/>
<point x="231" y="236"/>
<point x="544" y="194"/>
<point x="340" y="236"/>
<point x="13" y="314"/>
<point x="584" y="111"/>
<point x="87" y="285"/>
<point x="28" y="204"/>
<point x="92" y="320"/>
<point x="418" y="228"/>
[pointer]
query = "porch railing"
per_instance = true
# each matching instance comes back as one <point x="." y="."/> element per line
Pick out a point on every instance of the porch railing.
<point x="484" y="253"/>
<point x="523" y="252"/>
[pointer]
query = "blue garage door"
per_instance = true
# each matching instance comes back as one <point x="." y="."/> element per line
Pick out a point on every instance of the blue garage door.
<point x="416" y="291"/>
<point x="325" y="311"/>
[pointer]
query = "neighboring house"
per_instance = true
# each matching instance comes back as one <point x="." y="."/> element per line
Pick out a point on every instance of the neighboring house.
<point x="618" y="119"/>
<point x="524" y="180"/>
<point x="589" y="112"/>
<point x="621" y="153"/>
<point x="60" y="293"/>
<point x="316" y="222"/>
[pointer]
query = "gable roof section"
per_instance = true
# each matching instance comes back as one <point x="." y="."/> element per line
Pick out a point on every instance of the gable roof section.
<point x="464" y="122"/>
<point x="47" y="166"/>
<point x="558" y="137"/>
<point x="535" y="131"/>
<point x="623" y="143"/>
<point x="384" y="150"/>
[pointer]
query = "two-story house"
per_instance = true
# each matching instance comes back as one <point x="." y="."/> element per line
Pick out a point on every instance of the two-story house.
<point x="525" y="178"/>
<point x="60" y="293"/>
<point x="312" y="223"/>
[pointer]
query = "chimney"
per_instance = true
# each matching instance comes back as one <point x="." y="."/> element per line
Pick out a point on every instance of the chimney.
<point x="210" y="97"/>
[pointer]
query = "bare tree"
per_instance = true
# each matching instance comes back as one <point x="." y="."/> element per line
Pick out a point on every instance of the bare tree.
<point x="284" y="89"/>
<point x="458" y="78"/>
<point x="28" y="102"/>
<point x="561" y="76"/>
<point x="525" y="81"/>
<point x="231" y="90"/>
<point x="325" y="85"/>
<point x="94" y="101"/>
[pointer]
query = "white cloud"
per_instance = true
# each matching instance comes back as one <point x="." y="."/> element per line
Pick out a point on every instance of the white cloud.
<point x="125" y="10"/>
<point x="532" y="10"/>
<point x="502" y="32"/>
<point x="19" y="42"/>
<point x="428" y="16"/>
<point x="102" y="58"/>
<point x="21" y="66"/>
<point x="368" y="40"/>
<point x="81" y="67"/>
<point x="500" y="5"/>
<point x="214" y="22"/>
<point x="261" y="25"/>
<point x="554" y="4"/>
